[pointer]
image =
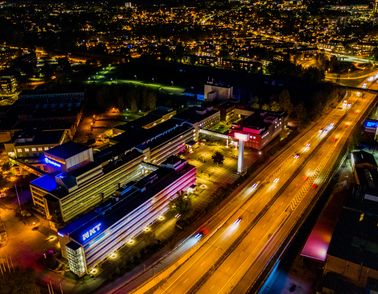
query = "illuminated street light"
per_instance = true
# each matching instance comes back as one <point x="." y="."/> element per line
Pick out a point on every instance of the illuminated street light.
<point x="93" y="271"/>
<point x="147" y="229"/>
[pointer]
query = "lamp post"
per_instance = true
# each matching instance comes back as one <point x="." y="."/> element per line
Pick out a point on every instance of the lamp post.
<point x="18" y="198"/>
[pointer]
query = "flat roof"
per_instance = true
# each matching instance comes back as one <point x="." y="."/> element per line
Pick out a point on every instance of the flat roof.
<point x="67" y="150"/>
<point x="111" y="211"/>
<point x="317" y="243"/>
<point x="45" y="182"/>
<point x="368" y="179"/>
<point x="73" y="245"/>
<point x="355" y="238"/>
<point x="361" y="157"/>
<point x="38" y="137"/>
<point x="135" y="136"/>
<point x="195" y="114"/>
<point x="254" y="121"/>
<point x="166" y="137"/>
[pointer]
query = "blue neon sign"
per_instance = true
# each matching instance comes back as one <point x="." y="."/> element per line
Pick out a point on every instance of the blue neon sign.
<point x="51" y="162"/>
<point x="91" y="232"/>
<point x="371" y="124"/>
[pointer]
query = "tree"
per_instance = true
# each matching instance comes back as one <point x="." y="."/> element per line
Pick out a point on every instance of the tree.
<point x="274" y="106"/>
<point x="285" y="101"/>
<point x="255" y="105"/>
<point x="301" y="113"/>
<point x="265" y="106"/>
<point x="218" y="157"/>
<point x="181" y="205"/>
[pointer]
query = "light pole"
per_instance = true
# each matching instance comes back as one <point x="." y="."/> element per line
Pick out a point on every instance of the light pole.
<point x="18" y="199"/>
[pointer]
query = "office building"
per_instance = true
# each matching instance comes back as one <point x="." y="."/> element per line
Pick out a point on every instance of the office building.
<point x="92" y="237"/>
<point x="72" y="189"/>
<point x="77" y="182"/>
<point x="42" y="110"/>
<point x="261" y="127"/>
<point x="30" y="144"/>
<point x="217" y="91"/>
<point x="200" y="118"/>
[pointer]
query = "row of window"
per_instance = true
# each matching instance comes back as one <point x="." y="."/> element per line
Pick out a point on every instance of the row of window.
<point x="33" y="149"/>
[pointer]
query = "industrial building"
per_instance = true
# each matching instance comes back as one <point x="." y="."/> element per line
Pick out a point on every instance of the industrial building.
<point x="92" y="237"/>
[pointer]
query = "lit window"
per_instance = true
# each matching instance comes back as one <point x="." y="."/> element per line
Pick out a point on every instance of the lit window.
<point x="26" y="149"/>
<point x="19" y="150"/>
<point x="34" y="149"/>
<point x="46" y="148"/>
<point x="40" y="149"/>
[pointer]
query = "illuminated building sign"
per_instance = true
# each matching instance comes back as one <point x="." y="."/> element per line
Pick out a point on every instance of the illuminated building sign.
<point x="371" y="124"/>
<point x="52" y="162"/>
<point x="91" y="232"/>
<point x="241" y="136"/>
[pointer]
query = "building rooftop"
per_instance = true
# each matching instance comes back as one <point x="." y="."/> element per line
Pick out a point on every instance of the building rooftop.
<point x="195" y="114"/>
<point x="362" y="157"/>
<point x="67" y="150"/>
<point x="33" y="137"/>
<point x="255" y="122"/>
<point x="368" y="179"/>
<point x="135" y="136"/>
<point x="356" y="238"/>
<point x="45" y="182"/>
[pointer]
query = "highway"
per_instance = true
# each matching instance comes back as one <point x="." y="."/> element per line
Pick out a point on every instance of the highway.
<point x="232" y="249"/>
<point x="274" y="227"/>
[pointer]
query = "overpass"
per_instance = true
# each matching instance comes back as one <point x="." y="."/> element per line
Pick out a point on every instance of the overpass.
<point x="359" y="89"/>
<point x="215" y="134"/>
<point x="28" y="167"/>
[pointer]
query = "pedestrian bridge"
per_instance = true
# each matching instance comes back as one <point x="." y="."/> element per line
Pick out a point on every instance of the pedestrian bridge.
<point x="215" y="134"/>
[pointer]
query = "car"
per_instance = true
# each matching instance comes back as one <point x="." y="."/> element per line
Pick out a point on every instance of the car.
<point x="198" y="235"/>
<point x="308" y="145"/>
<point x="51" y="238"/>
<point x="254" y="186"/>
<point x="314" y="186"/>
<point x="238" y="220"/>
<point x="296" y="155"/>
<point x="276" y="180"/>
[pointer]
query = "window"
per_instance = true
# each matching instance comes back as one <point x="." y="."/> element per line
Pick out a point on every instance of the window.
<point x="34" y="149"/>
<point x="26" y="149"/>
<point x="40" y="149"/>
<point x="19" y="150"/>
<point x="46" y="148"/>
